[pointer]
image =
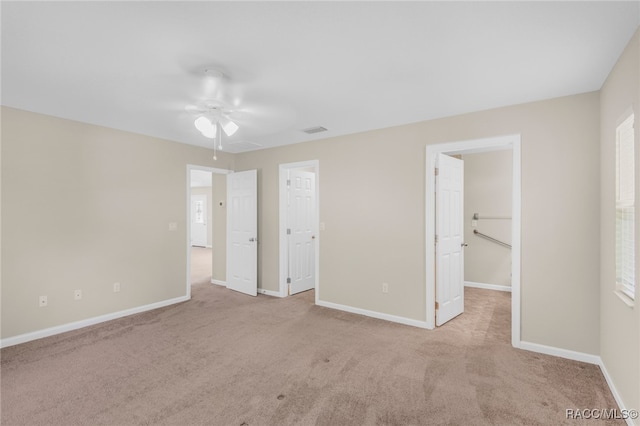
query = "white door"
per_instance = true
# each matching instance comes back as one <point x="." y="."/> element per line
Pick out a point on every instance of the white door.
<point x="199" y="220"/>
<point x="242" y="235"/>
<point x="449" y="238"/>
<point x="301" y="231"/>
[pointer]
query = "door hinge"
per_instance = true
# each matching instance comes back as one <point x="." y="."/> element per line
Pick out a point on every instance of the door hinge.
<point x="288" y="280"/>
<point x="437" y="306"/>
<point x="288" y="231"/>
<point x="437" y="171"/>
<point x="288" y="182"/>
<point x="436" y="239"/>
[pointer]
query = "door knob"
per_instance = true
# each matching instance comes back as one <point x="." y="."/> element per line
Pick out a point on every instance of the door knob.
<point x="251" y="240"/>
<point x="463" y="244"/>
<point x="313" y="237"/>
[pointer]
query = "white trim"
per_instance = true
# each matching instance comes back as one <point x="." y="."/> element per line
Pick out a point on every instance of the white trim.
<point x="581" y="357"/>
<point x="471" y="147"/>
<point x="191" y="167"/>
<point x="282" y="177"/>
<point x="488" y="286"/>
<point x="625" y="116"/>
<point x="51" y="331"/>
<point x="614" y="391"/>
<point x="373" y="314"/>
<point x="269" y="292"/>
<point x="625" y="298"/>
<point x="559" y="352"/>
<point x="219" y="282"/>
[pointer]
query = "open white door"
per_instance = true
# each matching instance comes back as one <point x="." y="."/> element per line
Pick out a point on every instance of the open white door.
<point x="199" y="225"/>
<point x="301" y="231"/>
<point x="449" y="238"/>
<point x="242" y="226"/>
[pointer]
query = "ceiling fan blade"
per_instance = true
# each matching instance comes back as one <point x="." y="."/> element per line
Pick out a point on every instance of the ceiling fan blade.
<point x="194" y="109"/>
<point x="258" y="119"/>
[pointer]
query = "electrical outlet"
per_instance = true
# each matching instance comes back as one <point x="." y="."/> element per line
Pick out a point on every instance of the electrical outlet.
<point x="42" y="301"/>
<point x="116" y="287"/>
<point x="77" y="295"/>
<point x="385" y="287"/>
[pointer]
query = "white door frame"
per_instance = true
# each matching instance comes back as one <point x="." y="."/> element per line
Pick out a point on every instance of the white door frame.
<point x="511" y="142"/>
<point x="191" y="167"/>
<point x="283" y="168"/>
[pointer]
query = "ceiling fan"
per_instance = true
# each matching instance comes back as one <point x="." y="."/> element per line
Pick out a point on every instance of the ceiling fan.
<point x="212" y="115"/>
<point x="215" y="116"/>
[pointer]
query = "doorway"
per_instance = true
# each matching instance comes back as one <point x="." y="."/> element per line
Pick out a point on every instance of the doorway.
<point x="206" y="225"/>
<point x="511" y="142"/>
<point x="299" y="225"/>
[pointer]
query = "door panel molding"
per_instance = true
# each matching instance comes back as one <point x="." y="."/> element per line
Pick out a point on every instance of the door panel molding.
<point x="311" y="165"/>
<point x="242" y="232"/>
<point x="450" y="241"/>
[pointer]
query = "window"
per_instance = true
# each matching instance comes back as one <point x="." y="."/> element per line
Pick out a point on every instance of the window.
<point x="625" y="208"/>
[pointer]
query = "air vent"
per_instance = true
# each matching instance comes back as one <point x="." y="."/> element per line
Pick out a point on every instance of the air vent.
<point x="312" y="130"/>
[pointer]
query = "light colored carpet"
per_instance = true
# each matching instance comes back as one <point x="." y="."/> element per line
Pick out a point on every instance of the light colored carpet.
<point x="201" y="265"/>
<point x="224" y="358"/>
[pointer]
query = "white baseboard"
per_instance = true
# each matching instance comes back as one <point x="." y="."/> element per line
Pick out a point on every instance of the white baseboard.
<point x="373" y="314"/>
<point x="615" y="393"/>
<point x="218" y="282"/>
<point x="27" y="337"/>
<point x="559" y="352"/>
<point x="269" y="292"/>
<point x="487" y="286"/>
<point x="583" y="357"/>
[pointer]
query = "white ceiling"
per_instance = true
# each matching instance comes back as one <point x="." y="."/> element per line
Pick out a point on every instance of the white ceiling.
<point x="349" y="66"/>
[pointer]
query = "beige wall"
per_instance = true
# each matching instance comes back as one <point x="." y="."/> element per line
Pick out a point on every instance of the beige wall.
<point x="487" y="191"/>
<point x="109" y="196"/>
<point x="219" y="241"/>
<point x="206" y="191"/>
<point x="83" y="207"/>
<point x="372" y="200"/>
<point x="619" y="324"/>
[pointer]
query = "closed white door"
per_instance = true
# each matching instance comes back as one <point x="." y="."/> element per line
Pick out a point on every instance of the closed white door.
<point x="199" y="220"/>
<point x="242" y="227"/>
<point x="449" y="238"/>
<point x="301" y="231"/>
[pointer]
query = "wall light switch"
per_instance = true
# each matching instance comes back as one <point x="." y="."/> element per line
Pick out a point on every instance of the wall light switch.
<point x="322" y="227"/>
<point x="42" y="301"/>
<point x="474" y="223"/>
<point x="173" y="226"/>
<point x="77" y="295"/>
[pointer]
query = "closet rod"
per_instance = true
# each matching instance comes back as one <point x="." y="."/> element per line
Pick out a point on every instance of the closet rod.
<point x="480" y="234"/>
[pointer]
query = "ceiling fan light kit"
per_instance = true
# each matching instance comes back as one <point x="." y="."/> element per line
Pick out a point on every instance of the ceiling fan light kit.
<point x="206" y="127"/>
<point x="228" y="126"/>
